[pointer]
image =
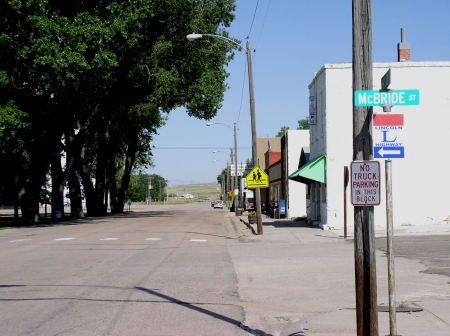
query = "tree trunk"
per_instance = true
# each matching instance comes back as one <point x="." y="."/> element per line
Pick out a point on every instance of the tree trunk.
<point x="16" y="197"/>
<point x="57" y="187"/>
<point x="112" y="186"/>
<point x="100" y="174"/>
<point x="129" y="162"/>
<point x="88" y="187"/>
<point x="72" y="176"/>
<point x="76" y="204"/>
<point x="29" y="192"/>
<point x="29" y="199"/>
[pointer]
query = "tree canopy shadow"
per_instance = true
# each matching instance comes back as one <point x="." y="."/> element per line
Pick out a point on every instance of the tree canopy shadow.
<point x="11" y="222"/>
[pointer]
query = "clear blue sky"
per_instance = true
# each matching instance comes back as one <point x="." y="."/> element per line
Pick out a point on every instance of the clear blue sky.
<point x="293" y="39"/>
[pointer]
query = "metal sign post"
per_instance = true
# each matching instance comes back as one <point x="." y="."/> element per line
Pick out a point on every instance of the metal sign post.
<point x="390" y="249"/>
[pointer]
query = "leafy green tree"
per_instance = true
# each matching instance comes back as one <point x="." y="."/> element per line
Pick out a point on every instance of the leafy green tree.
<point x="282" y="131"/>
<point x="137" y="189"/>
<point x="94" y="80"/>
<point x="158" y="184"/>
<point x="14" y="155"/>
<point x="303" y="124"/>
<point x="223" y="176"/>
<point x="222" y="179"/>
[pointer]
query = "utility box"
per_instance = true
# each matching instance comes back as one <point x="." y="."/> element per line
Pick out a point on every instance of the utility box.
<point x="281" y="208"/>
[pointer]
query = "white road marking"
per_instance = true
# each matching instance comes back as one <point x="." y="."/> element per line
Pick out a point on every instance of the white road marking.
<point x="64" y="238"/>
<point x="109" y="239"/>
<point x="153" y="239"/>
<point x="19" y="240"/>
<point x="199" y="240"/>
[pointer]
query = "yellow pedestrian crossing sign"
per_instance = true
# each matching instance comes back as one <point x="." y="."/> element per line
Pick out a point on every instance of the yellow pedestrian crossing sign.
<point x="231" y="193"/>
<point x="257" y="179"/>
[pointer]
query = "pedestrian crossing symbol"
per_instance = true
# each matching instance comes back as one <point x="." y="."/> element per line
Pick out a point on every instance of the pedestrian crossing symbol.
<point x="257" y="179"/>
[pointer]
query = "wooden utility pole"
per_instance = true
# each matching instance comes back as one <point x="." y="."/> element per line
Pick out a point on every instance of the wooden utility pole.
<point x="236" y="198"/>
<point x="365" y="265"/>
<point x="256" y="191"/>
<point x="233" y="182"/>
<point x="345" y="200"/>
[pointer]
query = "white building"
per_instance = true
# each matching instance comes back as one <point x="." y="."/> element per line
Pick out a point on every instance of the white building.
<point x="295" y="193"/>
<point x="421" y="182"/>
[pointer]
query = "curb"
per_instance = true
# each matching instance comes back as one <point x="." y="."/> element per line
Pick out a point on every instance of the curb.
<point x="248" y="225"/>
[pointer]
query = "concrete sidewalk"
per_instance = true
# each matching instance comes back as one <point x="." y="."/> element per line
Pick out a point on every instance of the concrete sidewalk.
<point x="299" y="280"/>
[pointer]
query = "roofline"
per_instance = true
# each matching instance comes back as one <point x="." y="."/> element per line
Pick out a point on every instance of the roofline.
<point x="275" y="163"/>
<point x="410" y="64"/>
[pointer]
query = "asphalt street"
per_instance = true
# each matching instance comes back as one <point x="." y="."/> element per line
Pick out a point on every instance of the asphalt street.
<point x="159" y="272"/>
<point x="432" y="250"/>
<point x="192" y="270"/>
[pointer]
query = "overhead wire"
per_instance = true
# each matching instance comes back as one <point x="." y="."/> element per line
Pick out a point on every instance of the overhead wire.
<point x="195" y="147"/>
<point x="245" y="66"/>
<point x="253" y="20"/>
<point x="242" y="91"/>
<point x="262" y="26"/>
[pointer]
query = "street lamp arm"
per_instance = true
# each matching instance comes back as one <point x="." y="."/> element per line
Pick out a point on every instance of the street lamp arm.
<point x="195" y="36"/>
<point x="218" y="123"/>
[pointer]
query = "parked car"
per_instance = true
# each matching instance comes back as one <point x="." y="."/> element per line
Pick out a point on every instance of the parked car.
<point x="218" y="204"/>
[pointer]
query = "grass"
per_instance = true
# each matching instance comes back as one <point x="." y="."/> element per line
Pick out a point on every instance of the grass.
<point x="202" y="190"/>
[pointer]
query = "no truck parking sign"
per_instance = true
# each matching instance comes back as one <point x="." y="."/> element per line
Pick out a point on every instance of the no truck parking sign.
<point x="365" y="183"/>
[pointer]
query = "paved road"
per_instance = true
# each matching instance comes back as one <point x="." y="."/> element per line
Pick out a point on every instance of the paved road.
<point x="164" y="272"/>
<point x="432" y="251"/>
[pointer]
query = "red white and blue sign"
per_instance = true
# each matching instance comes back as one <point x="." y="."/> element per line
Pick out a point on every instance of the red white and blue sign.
<point x="387" y="136"/>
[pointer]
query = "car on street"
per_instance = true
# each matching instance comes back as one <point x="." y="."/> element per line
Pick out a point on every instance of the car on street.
<point x="218" y="204"/>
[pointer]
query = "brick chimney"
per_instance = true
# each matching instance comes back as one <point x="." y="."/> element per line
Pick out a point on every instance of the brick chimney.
<point x="404" y="52"/>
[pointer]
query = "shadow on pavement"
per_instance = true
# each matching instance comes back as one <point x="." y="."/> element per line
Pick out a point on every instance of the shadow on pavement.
<point x="205" y="311"/>
<point x="9" y="221"/>
<point x="288" y="223"/>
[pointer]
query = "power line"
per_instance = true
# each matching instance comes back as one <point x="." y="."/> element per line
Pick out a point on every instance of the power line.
<point x="242" y="92"/>
<point x="199" y="147"/>
<point x="253" y="20"/>
<point x="262" y="27"/>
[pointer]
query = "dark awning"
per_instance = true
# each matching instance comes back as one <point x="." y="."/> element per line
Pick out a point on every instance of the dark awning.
<point x="313" y="171"/>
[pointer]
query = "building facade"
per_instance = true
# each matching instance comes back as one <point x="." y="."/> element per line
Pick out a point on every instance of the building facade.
<point x="420" y="181"/>
<point x="293" y="192"/>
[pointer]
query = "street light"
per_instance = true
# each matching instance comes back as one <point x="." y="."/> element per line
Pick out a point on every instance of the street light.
<point x="228" y="177"/>
<point x="239" y="199"/>
<point x="195" y="36"/>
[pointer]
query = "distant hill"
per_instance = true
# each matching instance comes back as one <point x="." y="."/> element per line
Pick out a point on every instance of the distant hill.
<point x="202" y="190"/>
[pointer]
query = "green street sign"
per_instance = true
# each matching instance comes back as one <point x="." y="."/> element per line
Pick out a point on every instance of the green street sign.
<point x="378" y="98"/>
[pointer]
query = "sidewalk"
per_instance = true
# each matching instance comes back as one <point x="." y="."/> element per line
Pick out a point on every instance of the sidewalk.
<point x="299" y="280"/>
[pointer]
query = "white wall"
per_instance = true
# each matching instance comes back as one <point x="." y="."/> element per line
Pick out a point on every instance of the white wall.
<point x="420" y="181"/>
<point x="296" y="139"/>
<point x="318" y="146"/>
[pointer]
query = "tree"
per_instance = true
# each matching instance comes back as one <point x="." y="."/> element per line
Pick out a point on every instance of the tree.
<point x="282" y="131"/>
<point x="94" y="80"/>
<point x="222" y="179"/>
<point x="303" y="124"/>
<point x="158" y="184"/>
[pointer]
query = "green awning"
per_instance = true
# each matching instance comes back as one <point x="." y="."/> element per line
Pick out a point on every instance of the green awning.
<point x="313" y="171"/>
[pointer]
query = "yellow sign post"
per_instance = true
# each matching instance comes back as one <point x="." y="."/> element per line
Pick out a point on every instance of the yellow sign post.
<point x="257" y="179"/>
<point x="231" y="193"/>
